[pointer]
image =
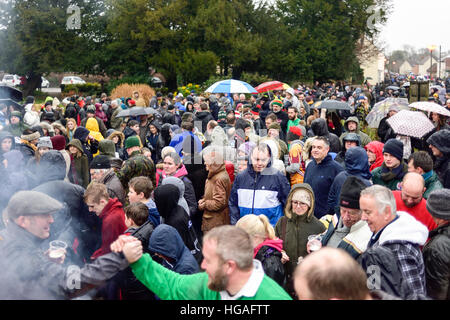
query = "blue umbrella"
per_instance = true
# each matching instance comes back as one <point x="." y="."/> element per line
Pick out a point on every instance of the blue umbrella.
<point x="231" y="86"/>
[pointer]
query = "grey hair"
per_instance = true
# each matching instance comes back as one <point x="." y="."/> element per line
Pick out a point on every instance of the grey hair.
<point x="233" y="243"/>
<point x="383" y="197"/>
<point x="175" y="156"/>
<point x="216" y="152"/>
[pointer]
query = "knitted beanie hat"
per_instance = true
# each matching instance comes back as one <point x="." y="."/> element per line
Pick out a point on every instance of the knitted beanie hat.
<point x="277" y="102"/>
<point x="437" y="204"/>
<point x="394" y="147"/>
<point x="350" y="192"/>
<point x="132" y="141"/>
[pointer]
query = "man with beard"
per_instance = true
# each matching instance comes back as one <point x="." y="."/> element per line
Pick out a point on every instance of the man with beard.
<point x="231" y="273"/>
<point x="410" y="199"/>
<point x="294" y="120"/>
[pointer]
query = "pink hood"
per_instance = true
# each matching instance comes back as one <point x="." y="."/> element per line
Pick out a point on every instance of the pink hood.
<point x="273" y="243"/>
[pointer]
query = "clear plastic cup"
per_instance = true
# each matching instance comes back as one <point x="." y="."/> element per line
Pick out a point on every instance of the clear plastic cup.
<point x="314" y="242"/>
<point x="57" y="249"/>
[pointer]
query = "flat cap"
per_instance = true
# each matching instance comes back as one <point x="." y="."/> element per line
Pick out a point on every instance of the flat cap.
<point x="31" y="203"/>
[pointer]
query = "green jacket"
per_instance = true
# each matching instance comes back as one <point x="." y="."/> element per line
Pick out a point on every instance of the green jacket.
<point x="365" y="139"/>
<point x="432" y="183"/>
<point x="79" y="172"/>
<point x="115" y="121"/>
<point x="298" y="228"/>
<point x="169" y="285"/>
<point x="292" y="123"/>
<point x="392" y="184"/>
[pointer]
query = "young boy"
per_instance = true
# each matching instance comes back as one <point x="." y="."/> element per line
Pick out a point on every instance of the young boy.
<point x="136" y="214"/>
<point x="140" y="190"/>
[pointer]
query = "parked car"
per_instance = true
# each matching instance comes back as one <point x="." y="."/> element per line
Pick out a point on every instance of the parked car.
<point x="45" y="83"/>
<point x="72" y="80"/>
<point x="12" y="80"/>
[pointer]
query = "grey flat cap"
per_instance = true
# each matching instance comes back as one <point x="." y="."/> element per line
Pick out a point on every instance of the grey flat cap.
<point x="31" y="203"/>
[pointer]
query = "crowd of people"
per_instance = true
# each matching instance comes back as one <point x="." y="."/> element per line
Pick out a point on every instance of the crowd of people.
<point x="253" y="196"/>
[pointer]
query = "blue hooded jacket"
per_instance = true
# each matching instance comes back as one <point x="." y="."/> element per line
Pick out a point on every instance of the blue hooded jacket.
<point x="166" y="241"/>
<point x="259" y="193"/>
<point x="356" y="164"/>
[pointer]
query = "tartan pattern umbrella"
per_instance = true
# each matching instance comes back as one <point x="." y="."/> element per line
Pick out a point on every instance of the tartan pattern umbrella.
<point x="410" y="123"/>
<point x="430" y="107"/>
<point x="271" y="86"/>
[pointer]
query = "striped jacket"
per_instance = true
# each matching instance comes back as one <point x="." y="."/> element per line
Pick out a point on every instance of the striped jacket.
<point x="259" y="193"/>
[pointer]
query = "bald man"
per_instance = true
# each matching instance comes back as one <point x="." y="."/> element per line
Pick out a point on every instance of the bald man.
<point x="330" y="274"/>
<point x="410" y="199"/>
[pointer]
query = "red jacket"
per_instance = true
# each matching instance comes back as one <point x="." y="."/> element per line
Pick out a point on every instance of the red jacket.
<point x="113" y="225"/>
<point x="419" y="211"/>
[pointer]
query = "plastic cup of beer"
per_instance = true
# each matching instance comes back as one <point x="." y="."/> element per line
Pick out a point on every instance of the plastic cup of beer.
<point x="57" y="249"/>
<point x="314" y="242"/>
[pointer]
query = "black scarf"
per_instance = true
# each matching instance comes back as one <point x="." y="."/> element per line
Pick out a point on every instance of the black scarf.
<point x="399" y="172"/>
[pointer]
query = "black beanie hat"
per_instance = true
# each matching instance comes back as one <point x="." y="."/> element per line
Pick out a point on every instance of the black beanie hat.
<point x="100" y="162"/>
<point x="350" y="192"/>
<point x="394" y="147"/>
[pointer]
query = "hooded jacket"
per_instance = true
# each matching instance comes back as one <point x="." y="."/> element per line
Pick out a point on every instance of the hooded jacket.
<point x="217" y="192"/>
<point x="201" y="120"/>
<point x="269" y="253"/>
<point x="31" y="117"/>
<point x="298" y="228"/>
<point x="320" y="177"/>
<point x="377" y="148"/>
<point x="89" y="148"/>
<point x="187" y="193"/>
<point x="356" y="164"/>
<point x="440" y="140"/>
<point x="107" y="147"/>
<point x="166" y="241"/>
<point x="319" y="127"/>
<point x="79" y="169"/>
<point x="175" y="216"/>
<point x="92" y="126"/>
<point x="259" y="193"/>
<point x="365" y="139"/>
<point x="3" y="135"/>
<point x="119" y="145"/>
<point x="436" y="255"/>
<point x="402" y="237"/>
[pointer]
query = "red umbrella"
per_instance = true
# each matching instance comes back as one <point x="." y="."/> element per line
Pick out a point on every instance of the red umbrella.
<point x="271" y="85"/>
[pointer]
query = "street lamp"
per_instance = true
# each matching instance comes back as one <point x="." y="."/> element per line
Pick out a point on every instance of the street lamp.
<point x="431" y="48"/>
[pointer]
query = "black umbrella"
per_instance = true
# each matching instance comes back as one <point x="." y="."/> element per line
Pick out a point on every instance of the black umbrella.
<point x="332" y="105"/>
<point x="7" y="92"/>
<point x="393" y="88"/>
<point x="9" y="102"/>
<point x="136" y="111"/>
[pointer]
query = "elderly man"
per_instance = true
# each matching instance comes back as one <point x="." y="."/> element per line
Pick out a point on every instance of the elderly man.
<point x="29" y="271"/>
<point x="102" y="172"/>
<point x="410" y="199"/>
<point x="260" y="189"/>
<point x="231" y="273"/>
<point x="393" y="261"/>
<point x="348" y="231"/>
<point x="320" y="174"/>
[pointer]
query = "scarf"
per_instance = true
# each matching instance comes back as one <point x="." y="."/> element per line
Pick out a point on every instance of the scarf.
<point x="396" y="173"/>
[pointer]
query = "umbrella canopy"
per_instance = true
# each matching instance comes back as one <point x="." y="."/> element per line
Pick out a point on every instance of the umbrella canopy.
<point x="7" y="92"/>
<point x="231" y="86"/>
<point x="410" y="123"/>
<point x="392" y="88"/>
<point x="272" y="85"/>
<point x="10" y="102"/>
<point x="380" y="110"/>
<point x="406" y="84"/>
<point x="136" y="111"/>
<point x="430" y="107"/>
<point x="332" y="105"/>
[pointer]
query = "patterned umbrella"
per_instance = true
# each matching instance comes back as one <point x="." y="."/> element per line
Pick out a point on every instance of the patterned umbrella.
<point x="430" y="107"/>
<point x="231" y="86"/>
<point x="410" y="123"/>
<point x="380" y="110"/>
<point x="271" y="86"/>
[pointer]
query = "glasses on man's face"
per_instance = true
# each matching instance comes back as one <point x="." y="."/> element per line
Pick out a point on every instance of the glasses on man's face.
<point x="298" y="203"/>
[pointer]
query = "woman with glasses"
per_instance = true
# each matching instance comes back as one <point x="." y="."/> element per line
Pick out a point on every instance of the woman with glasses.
<point x="295" y="226"/>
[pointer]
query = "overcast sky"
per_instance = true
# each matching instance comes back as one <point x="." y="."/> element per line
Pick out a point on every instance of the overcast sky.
<point x="418" y="23"/>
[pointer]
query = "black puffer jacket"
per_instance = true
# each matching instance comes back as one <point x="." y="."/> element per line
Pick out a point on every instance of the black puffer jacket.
<point x="436" y="256"/>
<point x="319" y="128"/>
<point x="270" y="258"/>
<point x="75" y="221"/>
<point x="441" y="140"/>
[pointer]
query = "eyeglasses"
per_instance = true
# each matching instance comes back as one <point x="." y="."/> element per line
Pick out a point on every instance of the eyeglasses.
<point x="298" y="203"/>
